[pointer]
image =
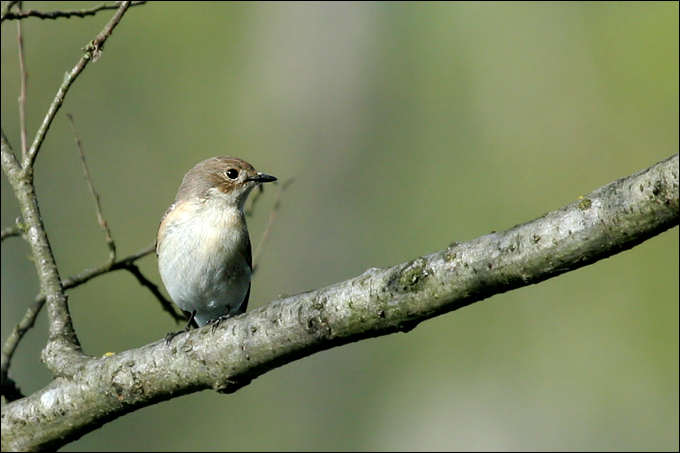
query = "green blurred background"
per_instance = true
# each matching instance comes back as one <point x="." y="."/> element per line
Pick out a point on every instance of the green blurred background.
<point x="406" y="126"/>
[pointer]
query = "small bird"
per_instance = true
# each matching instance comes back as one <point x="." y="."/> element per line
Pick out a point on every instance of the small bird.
<point x="203" y="247"/>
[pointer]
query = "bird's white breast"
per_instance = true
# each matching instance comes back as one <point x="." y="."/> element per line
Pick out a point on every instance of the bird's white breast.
<point x="202" y="261"/>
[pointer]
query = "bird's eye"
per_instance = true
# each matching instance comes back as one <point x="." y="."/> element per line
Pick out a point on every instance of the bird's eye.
<point x="232" y="173"/>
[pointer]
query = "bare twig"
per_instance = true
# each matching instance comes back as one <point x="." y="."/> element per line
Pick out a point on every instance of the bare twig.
<point x="92" y="52"/>
<point x="167" y="305"/>
<point x="89" y="274"/>
<point x="100" y="216"/>
<point x="254" y="198"/>
<point x="22" y="91"/>
<point x="9" y="15"/>
<point x="270" y="224"/>
<point x="18" y="332"/>
<point x="31" y="314"/>
<point x="6" y="7"/>
<point x="10" y="390"/>
<point x="126" y="264"/>
<point x="12" y="231"/>
<point x="63" y="349"/>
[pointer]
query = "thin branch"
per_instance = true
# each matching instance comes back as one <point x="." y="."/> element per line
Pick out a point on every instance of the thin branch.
<point x="10" y="391"/>
<point x="127" y="264"/>
<point x="62" y="353"/>
<point x="63" y="340"/>
<point x="22" y="90"/>
<point x="167" y="306"/>
<point x="100" y="215"/>
<point x="6" y="7"/>
<point x="8" y="15"/>
<point x="32" y="312"/>
<point x="89" y="274"/>
<point x="270" y="223"/>
<point x="18" y="332"/>
<point x="92" y="52"/>
<point x="10" y="164"/>
<point x="254" y="198"/>
<point x="9" y="232"/>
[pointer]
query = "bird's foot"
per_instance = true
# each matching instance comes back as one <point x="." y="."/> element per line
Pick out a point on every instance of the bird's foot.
<point x="170" y="336"/>
<point x="215" y="323"/>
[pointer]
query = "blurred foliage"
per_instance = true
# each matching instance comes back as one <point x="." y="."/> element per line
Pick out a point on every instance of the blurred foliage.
<point x="407" y="126"/>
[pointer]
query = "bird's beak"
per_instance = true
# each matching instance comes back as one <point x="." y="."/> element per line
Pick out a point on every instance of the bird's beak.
<point x="261" y="178"/>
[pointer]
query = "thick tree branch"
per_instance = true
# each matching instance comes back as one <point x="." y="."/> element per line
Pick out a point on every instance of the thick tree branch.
<point x="612" y="219"/>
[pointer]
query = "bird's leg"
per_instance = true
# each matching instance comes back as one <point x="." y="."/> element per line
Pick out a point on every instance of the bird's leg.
<point x="171" y="335"/>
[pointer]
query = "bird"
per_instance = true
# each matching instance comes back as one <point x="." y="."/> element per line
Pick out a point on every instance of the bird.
<point x="203" y="247"/>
